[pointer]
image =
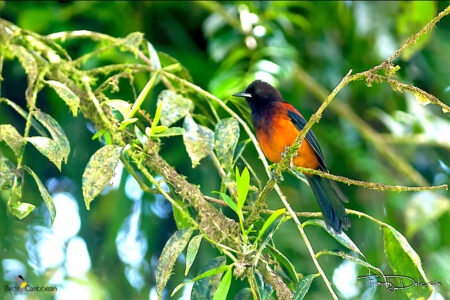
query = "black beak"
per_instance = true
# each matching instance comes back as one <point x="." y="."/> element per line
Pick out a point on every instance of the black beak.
<point x="243" y="95"/>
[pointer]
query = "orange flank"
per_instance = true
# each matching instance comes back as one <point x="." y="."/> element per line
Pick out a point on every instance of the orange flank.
<point x="282" y="134"/>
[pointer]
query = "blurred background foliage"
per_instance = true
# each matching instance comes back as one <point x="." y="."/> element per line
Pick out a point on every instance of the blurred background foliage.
<point x="112" y="250"/>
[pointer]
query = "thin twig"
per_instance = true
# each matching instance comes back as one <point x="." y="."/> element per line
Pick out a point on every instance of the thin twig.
<point x="371" y="185"/>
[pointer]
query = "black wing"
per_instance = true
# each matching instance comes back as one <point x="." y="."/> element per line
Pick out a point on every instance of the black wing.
<point x="299" y="123"/>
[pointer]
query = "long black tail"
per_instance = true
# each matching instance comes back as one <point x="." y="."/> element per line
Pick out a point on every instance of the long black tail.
<point x="330" y="200"/>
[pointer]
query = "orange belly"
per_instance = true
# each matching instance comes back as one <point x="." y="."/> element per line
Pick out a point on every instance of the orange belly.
<point x="282" y="134"/>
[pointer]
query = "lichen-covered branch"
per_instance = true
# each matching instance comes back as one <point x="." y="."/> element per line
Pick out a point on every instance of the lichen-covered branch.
<point x="372" y="185"/>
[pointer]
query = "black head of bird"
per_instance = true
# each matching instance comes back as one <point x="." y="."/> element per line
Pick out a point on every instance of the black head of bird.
<point x="259" y="92"/>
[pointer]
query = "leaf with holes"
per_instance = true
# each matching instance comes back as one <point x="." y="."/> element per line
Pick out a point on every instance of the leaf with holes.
<point x="226" y="136"/>
<point x="56" y="149"/>
<point x="199" y="140"/>
<point x="8" y="172"/>
<point x="12" y="137"/>
<point x="342" y="238"/>
<point x="27" y="61"/>
<point x="99" y="171"/>
<point x="44" y="193"/>
<point x="66" y="94"/>
<point x="175" y="107"/>
<point x="169" y="254"/>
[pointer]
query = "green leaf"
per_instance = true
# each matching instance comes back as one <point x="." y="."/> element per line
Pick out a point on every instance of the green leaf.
<point x="180" y="220"/>
<point x="169" y="132"/>
<point x="230" y="202"/>
<point x="174" y="107"/>
<point x="142" y="138"/>
<point x="205" y="288"/>
<point x="12" y="137"/>
<point x="285" y="262"/>
<point x="27" y="61"/>
<point x="19" y="209"/>
<point x="352" y="259"/>
<point x="66" y="94"/>
<point x="192" y="250"/>
<point x="169" y="254"/>
<point x="44" y="193"/>
<point x="224" y="285"/>
<point x="153" y="55"/>
<point x="242" y="187"/>
<point x="342" y="237"/>
<point x="405" y="261"/>
<point x="127" y="122"/>
<point x="142" y="95"/>
<point x="264" y="289"/>
<point x="8" y="172"/>
<point x="99" y="171"/>
<point x="159" y="130"/>
<point x="206" y="274"/>
<point x="56" y="149"/>
<point x="303" y="286"/>
<point x="199" y="140"/>
<point x="226" y="137"/>
<point x="156" y="118"/>
<point x="269" y="221"/>
<point x="121" y="106"/>
<point x="24" y="115"/>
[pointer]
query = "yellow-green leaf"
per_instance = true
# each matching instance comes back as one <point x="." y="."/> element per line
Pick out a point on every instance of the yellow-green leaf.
<point x="56" y="149"/>
<point x="342" y="237"/>
<point x="44" y="194"/>
<point x="224" y="286"/>
<point x="99" y="171"/>
<point x="169" y="254"/>
<point x="405" y="261"/>
<point x="199" y="140"/>
<point x="303" y="286"/>
<point x="66" y="94"/>
<point x="27" y="61"/>
<point x="192" y="251"/>
<point x="226" y="136"/>
<point x="12" y="137"/>
<point x="174" y="107"/>
<point x="120" y="105"/>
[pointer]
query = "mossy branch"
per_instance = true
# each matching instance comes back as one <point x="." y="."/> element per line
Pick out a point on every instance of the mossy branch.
<point x="372" y="185"/>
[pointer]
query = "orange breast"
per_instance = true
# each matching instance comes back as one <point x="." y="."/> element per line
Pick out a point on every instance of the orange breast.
<point x="282" y="134"/>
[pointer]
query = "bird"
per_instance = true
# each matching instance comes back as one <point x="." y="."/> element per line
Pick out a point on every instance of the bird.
<point x="277" y="124"/>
